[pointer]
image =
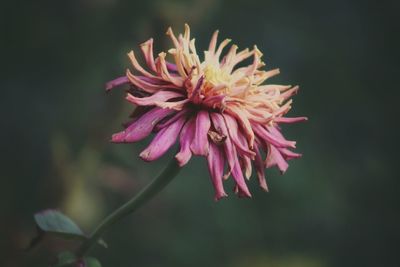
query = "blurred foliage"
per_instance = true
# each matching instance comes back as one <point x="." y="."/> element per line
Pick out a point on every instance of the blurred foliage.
<point x="337" y="206"/>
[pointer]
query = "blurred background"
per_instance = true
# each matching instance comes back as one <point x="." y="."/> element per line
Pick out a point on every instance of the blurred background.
<point x="337" y="206"/>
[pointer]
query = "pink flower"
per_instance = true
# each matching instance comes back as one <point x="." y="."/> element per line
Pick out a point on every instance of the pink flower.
<point x="214" y="107"/>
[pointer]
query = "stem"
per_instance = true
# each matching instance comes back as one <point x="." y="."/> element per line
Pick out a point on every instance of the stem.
<point x="132" y="205"/>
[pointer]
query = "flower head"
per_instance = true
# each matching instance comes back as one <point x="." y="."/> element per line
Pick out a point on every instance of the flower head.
<point x="214" y="107"/>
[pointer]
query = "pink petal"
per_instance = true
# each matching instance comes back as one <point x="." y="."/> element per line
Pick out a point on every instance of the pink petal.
<point x="242" y="118"/>
<point x="270" y="138"/>
<point x="116" y="82"/>
<point x="160" y="96"/>
<point x="200" y="144"/>
<point x="246" y="166"/>
<point x="172" y="67"/>
<point x="274" y="157"/>
<point x="231" y="155"/>
<point x="216" y="162"/>
<point x="147" y="50"/>
<point x="148" y="84"/>
<point x="195" y="96"/>
<point x="290" y="120"/>
<point x="289" y="93"/>
<point x="240" y="182"/>
<point x="260" y="169"/>
<point x="168" y="121"/>
<point x="230" y="151"/>
<point x="237" y="137"/>
<point x="287" y="154"/>
<point x="185" y="140"/>
<point x="163" y="141"/>
<point x="139" y="68"/>
<point x="141" y="127"/>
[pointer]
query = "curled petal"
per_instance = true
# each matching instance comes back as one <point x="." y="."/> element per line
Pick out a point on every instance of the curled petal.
<point x="290" y="120"/>
<point x="243" y="119"/>
<point x="137" y="66"/>
<point x="160" y="96"/>
<point x="288" y="155"/>
<point x="236" y="136"/>
<point x="216" y="162"/>
<point x="260" y="169"/>
<point x="271" y="138"/>
<point x="230" y="151"/>
<point x="147" y="84"/>
<point x="200" y="143"/>
<point x="274" y="157"/>
<point x="116" y="82"/>
<point x="237" y="174"/>
<point x="163" y="141"/>
<point x="147" y="50"/>
<point x="141" y="127"/>
<point x="246" y="166"/>
<point x="186" y="138"/>
<point x="168" y="121"/>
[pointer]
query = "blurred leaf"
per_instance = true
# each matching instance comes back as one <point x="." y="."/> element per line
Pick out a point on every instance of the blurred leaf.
<point x="54" y="222"/>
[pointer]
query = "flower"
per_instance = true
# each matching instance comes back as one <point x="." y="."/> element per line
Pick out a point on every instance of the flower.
<point x="215" y="108"/>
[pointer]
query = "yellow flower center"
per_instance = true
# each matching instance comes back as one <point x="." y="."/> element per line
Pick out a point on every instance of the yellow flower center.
<point x="216" y="81"/>
<point x="216" y="76"/>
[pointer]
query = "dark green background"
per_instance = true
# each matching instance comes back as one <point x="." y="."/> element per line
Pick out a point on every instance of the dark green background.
<point x="337" y="206"/>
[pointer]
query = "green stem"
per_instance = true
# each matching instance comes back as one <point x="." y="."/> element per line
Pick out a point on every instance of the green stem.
<point x="132" y="205"/>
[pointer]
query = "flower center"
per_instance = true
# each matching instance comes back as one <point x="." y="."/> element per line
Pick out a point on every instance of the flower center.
<point x="216" y="76"/>
<point x="216" y="81"/>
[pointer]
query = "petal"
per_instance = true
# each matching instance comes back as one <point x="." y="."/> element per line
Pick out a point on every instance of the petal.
<point x="270" y="138"/>
<point x="162" y="66"/>
<point x="172" y="67"/>
<point x="237" y="174"/>
<point x="231" y="155"/>
<point x="237" y="137"/>
<point x="147" y="50"/>
<point x="185" y="140"/>
<point x="260" y="169"/>
<point x="139" y="68"/>
<point x="200" y="143"/>
<point x="230" y="151"/>
<point x="246" y="166"/>
<point x="116" y="82"/>
<point x="168" y="121"/>
<point x="274" y="157"/>
<point x="160" y="96"/>
<point x="240" y="115"/>
<point x="290" y="120"/>
<point x="216" y="162"/>
<point x="147" y="84"/>
<point x="287" y="154"/>
<point x="162" y="141"/>
<point x="141" y="127"/>
<point x="213" y="42"/>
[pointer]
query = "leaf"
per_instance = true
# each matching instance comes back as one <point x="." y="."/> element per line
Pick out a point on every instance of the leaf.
<point x="54" y="222"/>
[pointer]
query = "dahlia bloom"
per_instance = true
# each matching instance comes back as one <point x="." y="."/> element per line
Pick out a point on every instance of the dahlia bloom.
<point x="215" y="108"/>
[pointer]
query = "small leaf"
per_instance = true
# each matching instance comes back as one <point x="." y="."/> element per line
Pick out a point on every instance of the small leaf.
<point x="91" y="262"/>
<point x="54" y="222"/>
